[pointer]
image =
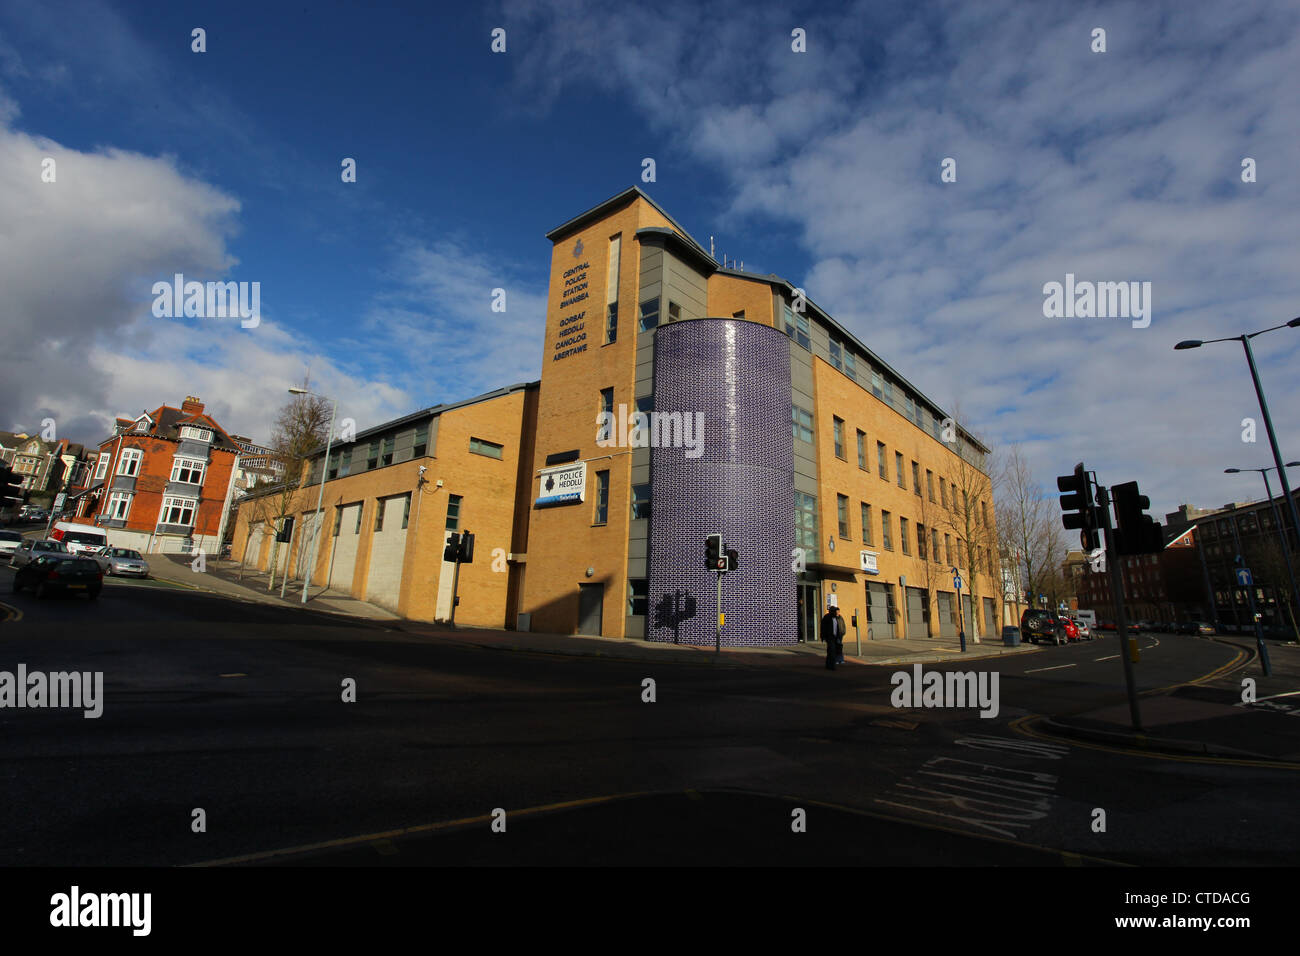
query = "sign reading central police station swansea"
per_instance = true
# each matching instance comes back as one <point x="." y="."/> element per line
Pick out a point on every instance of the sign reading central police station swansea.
<point x="564" y="484"/>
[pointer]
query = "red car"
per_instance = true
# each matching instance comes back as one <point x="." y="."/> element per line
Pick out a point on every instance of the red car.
<point x="1071" y="629"/>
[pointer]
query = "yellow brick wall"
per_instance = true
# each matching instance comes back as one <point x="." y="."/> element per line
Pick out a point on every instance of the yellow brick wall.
<point x="729" y="295"/>
<point x="836" y="395"/>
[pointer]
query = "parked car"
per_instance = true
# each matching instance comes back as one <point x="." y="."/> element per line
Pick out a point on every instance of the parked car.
<point x="9" y="541"/>
<point x="1071" y="629"/>
<point x="1106" y="625"/>
<point x="31" y="548"/>
<point x="1085" y="632"/>
<point x="1204" y="627"/>
<point x="59" y="572"/>
<point x="122" y="561"/>
<point x="1038" y="625"/>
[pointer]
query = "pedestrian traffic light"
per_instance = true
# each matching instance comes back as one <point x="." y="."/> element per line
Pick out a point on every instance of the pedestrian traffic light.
<point x="733" y="559"/>
<point x="452" y="551"/>
<point x="1080" y="511"/>
<point x="713" y="559"/>
<point x="1136" y="532"/>
<point x="466" y="548"/>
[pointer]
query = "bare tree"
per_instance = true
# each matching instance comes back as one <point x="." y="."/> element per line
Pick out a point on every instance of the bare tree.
<point x="971" y="513"/>
<point x="300" y="429"/>
<point x="1030" y="538"/>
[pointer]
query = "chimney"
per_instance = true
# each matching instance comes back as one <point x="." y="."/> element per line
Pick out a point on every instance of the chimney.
<point x="191" y="406"/>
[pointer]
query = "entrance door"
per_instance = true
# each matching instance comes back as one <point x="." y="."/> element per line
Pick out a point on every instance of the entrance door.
<point x="947" y="614"/>
<point x="591" y="605"/>
<point x="810" y="611"/>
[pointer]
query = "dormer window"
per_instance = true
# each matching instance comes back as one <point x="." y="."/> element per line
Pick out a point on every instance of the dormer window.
<point x="196" y="434"/>
<point x="142" y="425"/>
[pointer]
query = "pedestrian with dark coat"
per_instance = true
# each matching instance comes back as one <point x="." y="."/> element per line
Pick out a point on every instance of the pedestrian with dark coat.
<point x="833" y="635"/>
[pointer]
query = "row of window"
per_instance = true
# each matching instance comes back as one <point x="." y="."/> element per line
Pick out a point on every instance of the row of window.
<point x="379" y="453"/>
<point x="927" y="546"/>
<point x="178" y="511"/>
<point x="129" y="462"/>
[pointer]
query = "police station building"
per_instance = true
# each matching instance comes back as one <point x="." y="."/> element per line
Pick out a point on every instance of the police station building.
<point x="679" y="399"/>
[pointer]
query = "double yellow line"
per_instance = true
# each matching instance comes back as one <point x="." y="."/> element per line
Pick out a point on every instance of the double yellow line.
<point x="11" y="613"/>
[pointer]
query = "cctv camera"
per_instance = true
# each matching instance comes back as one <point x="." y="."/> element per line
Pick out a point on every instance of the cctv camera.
<point x="423" y="469"/>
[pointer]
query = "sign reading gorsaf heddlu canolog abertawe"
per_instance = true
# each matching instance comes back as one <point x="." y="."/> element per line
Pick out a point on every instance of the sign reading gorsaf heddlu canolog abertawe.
<point x="572" y="336"/>
<point x="564" y="484"/>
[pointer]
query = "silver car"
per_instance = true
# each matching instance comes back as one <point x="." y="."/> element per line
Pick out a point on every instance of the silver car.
<point x="122" y="561"/>
<point x="9" y="541"/>
<point x="31" y="548"/>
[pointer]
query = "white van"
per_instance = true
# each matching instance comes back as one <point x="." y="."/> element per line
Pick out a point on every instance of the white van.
<point x="79" y="537"/>
<point x="1087" y="617"/>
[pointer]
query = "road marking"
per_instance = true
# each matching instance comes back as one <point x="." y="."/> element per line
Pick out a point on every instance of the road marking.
<point x="232" y="675"/>
<point x="1019" y="726"/>
<point x="1058" y="667"/>
<point x="371" y="838"/>
<point x="11" y="613"/>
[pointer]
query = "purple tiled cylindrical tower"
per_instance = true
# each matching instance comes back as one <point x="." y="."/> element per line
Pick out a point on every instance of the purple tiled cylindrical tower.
<point x="733" y="378"/>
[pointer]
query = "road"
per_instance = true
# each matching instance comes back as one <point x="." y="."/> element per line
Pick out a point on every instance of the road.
<point x="238" y="710"/>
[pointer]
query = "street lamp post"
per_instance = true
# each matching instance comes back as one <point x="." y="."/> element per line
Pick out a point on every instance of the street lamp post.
<point x="320" y="495"/>
<point x="1281" y="530"/>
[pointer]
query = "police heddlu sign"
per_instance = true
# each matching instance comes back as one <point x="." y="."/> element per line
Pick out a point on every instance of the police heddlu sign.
<point x="563" y="485"/>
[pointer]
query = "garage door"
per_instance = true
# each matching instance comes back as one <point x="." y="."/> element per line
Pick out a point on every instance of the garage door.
<point x="917" y="613"/>
<point x="878" y="612"/>
<point x="947" y="617"/>
<point x="345" y="548"/>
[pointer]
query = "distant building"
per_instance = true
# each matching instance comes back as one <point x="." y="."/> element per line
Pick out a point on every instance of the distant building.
<point x="162" y="480"/>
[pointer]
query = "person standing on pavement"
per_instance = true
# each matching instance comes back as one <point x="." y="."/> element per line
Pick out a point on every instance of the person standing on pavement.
<point x="833" y="634"/>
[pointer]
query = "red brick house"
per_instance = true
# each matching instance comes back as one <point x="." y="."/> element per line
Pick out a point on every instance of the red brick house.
<point x="162" y="480"/>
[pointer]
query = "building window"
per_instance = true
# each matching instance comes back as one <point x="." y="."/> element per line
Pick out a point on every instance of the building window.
<point x="934" y="543"/>
<point x="645" y="404"/>
<point x="837" y="355"/>
<point x="866" y="523"/>
<point x="372" y="456"/>
<point x="345" y="462"/>
<point x="611" y="290"/>
<point x="488" y="449"/>
<point x="916" y="479"/>
<point x="188" y="470"/>
<point x="880" y="460"/>
<point x="898" y="468"/>
<point x="862" y="450"/>
<point x="920" y="541"/>
<point x="129" y="464"/>
<point x="640" y="501"/>
<point x="803" y="422"/>
<point x="638" y="594"/>
<point x="453" y="512"/>
<point x="606" y="431"/>
<point x="902" y="535"/>
<point x="119" y="506"/>
<point x="850" y="364"/>
<point x="178" y="511"/>
<point x="738" y="315"/>
<point x="842" y="514"/>
<point x="674" y="311"/>
<point x="421" y="442"/>
<point x="196" y="434"/>
<point x="886" y="539"/>
<point x="101" y="467"/>
<point x="387" y="458"/>
<point x="379" y="514"/>
<point x="889" y="603"/>
<point x="360" y="511"/>
<point x="406" y="510"/>
<point x="602" y="497"/>
<point x="929" y="484"/>
<point x="332" y="470"/>
<point x="947" y="550"/>
<point x="875" y="384"/>
<point x="943" y="491"/>
<point x="338" y="519"/>
<point x="839" y="437"/>
<point x="649" y="314"/>
<point x="796" y="326"/>
<point x="805" y="524"/>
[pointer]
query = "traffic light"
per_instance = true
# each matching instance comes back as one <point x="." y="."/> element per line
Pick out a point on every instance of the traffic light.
<point x="713" y="559"/>
<point x="1079" y="509"/>
<point x="733" y="559"/>
<point x="11" y="488"/>
<point x="285" y="531"/>
<point x="1136" y="532"/>
<point x="460" y="548"/>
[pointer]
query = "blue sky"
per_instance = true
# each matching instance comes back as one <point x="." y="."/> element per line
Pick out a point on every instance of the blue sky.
<point x="822" y="167"/>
